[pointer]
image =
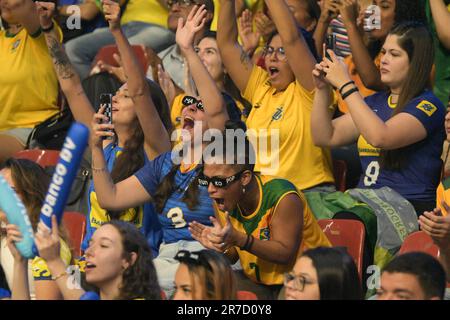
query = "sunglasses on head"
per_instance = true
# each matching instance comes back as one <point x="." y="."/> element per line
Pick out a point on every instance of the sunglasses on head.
<point x="189" y="101"/>
<point x="192" y="258"/>
<point x="218" y="182"/>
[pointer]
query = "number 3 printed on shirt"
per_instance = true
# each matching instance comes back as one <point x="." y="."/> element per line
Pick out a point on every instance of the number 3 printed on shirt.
<point x="372" y="172"/>
<point x="176" y="215"/>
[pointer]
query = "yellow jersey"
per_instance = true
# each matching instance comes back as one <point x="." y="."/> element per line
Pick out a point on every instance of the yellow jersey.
<point x="148" y="11"/>
<point x="443" y="194"/>
<point x="258" y="224"/>
<point x="28" y="82"/>
<point x="279" y="127"/>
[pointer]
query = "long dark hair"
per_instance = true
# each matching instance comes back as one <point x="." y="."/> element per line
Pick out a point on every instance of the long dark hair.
<point x="336" y="273"/>
<point x="417" y="41"/>
<point x="214" y="274"/>
<point x="140" y="280"/>
<point x="132" y="157"/>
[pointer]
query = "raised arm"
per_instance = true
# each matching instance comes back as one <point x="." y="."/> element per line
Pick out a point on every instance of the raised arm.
<point x="300" y="58"/>
<point x="215" y="109"/>
<point x="441" y="17"/>
<point x="48" y="244"/>
<point x="366" y="67"/>
<point x="325" y="131"/>
<point x="128" y="193"/>
<point x="68" y="78"/>
<point x="156" y="137"/>
<point x="236" y="61"/>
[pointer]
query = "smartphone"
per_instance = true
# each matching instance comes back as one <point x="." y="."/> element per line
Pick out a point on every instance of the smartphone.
<point x="372" y="18"/>
<point x="330" y="44"/>
<point x="106" y="100"/>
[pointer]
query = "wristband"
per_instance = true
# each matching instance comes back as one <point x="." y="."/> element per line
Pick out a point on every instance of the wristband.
<point x="49" y="28"/>
<point x="349" y="92"/>
<point x="344" y="85"/>
<point x="244" y="247"/>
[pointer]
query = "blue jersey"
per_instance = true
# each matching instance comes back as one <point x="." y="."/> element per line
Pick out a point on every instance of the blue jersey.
<point x="176" y="215"/>
<point x="419" y="178"/>
<point x="145" y="219"/>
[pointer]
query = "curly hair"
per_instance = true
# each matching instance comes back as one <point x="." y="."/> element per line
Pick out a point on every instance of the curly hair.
<point x="140" y="280"/>
<point x="30" y="183"/>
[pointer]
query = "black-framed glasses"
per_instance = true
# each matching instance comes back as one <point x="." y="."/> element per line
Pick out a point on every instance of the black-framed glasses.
<point x="182" y="3"/>
<point x="298" y="281"/>
<point x="218" y="182"/>
<point x="279" y="52"/>
<point x="189" y="101"/>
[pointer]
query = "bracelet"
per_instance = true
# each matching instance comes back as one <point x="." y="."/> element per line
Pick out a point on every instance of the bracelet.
<point x="97" y="170"/>
<point x="60" y="275"/>
<point x="344" y="85"/>
<point x="349" y="92"/>
<point x="244" y="247"/>
<point x="250" y="245"/>
<point x="49" y="28"/>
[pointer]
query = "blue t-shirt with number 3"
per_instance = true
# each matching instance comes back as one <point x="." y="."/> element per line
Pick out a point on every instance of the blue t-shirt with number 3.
<point x="419" y="178"/>
<point x="176" y="215"/>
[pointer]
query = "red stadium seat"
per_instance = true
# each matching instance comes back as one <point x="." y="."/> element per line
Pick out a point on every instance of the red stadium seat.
<point x="246" y="295"/>
<point x="45" y="158"/>
<point x="75" y="224"/>
<point x="340" y="174"/>
<point x="106" y="55"/>
<point x="419" y="242"/>
<point x="346" y="233"/>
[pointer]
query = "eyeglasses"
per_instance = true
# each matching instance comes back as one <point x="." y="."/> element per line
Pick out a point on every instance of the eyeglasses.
<point x="218" y="182"/>
<point x="182" y="3"/>
<point x="299" y="282"/>
<point x="189" y="101"/>
<point x="279" y="52"/>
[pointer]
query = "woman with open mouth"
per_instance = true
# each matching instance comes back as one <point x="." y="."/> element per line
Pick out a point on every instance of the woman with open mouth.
<point x="399" y="131"/>
<point x="281" y="96"/>
<point x="261" y="220"/>
<point x="168" y="180"/>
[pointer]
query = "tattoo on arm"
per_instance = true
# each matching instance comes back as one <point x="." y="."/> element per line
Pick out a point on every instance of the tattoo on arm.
<point x="63" y="67"/>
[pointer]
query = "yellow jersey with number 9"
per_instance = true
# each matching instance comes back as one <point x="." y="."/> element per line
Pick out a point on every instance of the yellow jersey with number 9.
<point x="28" y="82"/>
